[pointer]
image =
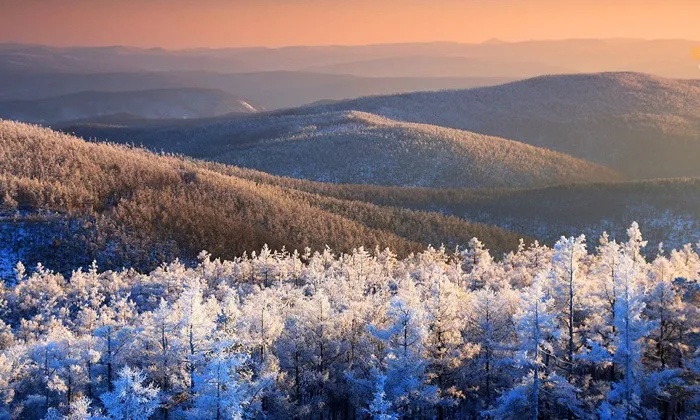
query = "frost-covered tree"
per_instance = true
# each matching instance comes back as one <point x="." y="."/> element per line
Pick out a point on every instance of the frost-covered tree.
<point x="541" y="392"/>
<point x="223" y="390"/>
<point x="159" y="350"/>
<point x="131" y="399"/>
<point x="624" y="400"/>
<point x="380" y="408"/>
<point x="477" y="264"/>
<point x="444" y="348"/>
<point x="567" y="280"/>
<point x="260" y="323"/>
<point x="79" y="409"/>
<point x="404" y="339"/>
<point x="195" y="323"/>
<point x="115" y="329"/>
<point x="490" y="329"/>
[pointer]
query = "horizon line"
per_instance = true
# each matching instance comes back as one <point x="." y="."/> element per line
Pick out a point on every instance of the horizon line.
<point x="490" y="41"/>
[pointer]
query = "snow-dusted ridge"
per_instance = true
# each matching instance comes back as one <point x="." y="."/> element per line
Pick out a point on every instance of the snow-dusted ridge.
<point x="359" y="147"/>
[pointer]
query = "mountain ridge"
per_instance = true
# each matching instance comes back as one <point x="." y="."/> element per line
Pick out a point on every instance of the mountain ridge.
<point x="644" y="126"/>
<point x="358" y="147"/>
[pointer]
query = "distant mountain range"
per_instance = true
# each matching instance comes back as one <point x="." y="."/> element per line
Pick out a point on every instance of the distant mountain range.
<point x="154" y="104"/>
<point x="540" y="157"/>
<point x="276" y="78"/>
<point x="669" y="58"/>
<point x="637" y="125"/>
<point x="268" y="90"/>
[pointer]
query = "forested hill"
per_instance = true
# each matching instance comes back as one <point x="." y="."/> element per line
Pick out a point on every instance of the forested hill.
<point x="68" y="202"/>
<point x="356" y="147"/>
<point x="641" y="125"/>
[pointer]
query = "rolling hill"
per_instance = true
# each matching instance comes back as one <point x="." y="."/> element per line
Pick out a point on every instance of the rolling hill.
<point x="668" y="210"/>
<point x="640" y="125"/>
<point x="158" y="103"/>
<point x="67" y="202"/>
<point x="359" y="148"/>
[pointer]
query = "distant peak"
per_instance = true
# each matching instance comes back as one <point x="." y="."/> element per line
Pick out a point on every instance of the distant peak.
<point x="493" y="41"/>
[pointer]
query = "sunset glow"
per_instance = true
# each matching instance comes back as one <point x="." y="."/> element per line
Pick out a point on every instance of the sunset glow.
<point x="224" y="23"/>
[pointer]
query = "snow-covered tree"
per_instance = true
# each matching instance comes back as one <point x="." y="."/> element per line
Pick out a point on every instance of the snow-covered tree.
<point x="131" y="399"/>
<point x="567" y="280"/>
<point x="491" y="330"/>
<point x="195" y="323"/>
<point x="624" y="400"/>
<point x="404" y="338"/>
<point x="79" y="409"/>
<point x="541" y="392"/>
<point x="223" y="390"/>
<point x="380" y="408"/>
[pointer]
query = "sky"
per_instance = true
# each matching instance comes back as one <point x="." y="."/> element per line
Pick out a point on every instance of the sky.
<point x="177" y="24"/>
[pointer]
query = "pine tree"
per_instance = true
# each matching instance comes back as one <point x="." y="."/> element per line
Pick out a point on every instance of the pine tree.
<point x="404" y="338"/>
<point x="79" y="409"/>
<point x="490" y="328"/>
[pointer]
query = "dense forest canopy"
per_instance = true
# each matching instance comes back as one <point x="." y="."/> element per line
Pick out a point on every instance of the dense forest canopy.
<point x="577" y="330"/>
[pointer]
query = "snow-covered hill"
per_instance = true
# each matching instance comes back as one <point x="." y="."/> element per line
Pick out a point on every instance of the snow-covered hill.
<point x="358" y="147"/>
<point x="642" y="125"/>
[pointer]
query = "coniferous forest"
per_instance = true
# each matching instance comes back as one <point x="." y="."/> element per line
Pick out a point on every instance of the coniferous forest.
<point x="583" y="329"/>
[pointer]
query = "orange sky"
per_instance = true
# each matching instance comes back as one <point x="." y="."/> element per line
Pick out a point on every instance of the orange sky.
<point x="222" y="23"/>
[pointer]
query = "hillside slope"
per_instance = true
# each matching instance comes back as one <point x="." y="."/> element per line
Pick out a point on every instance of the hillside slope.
<point x="641" y="125"/>
<point x="156" y="103"/>
<point x="125" y="206"/>
<point x="668" y="209"/>
<point x="357" y="147"/>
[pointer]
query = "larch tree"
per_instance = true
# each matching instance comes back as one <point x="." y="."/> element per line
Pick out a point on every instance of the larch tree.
<point x="624" y="400"/>
<point x="131" y="399"/>
<point x="195" y="323"/>
<point x="567" y="279"/>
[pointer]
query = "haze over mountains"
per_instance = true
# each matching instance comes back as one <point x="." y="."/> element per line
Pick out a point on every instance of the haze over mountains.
<point x="274" y="78"/>
<point x="669" y="58"/>
<point x="642" y="125"/>
<point x="152" y="104"/>
<point x="268" y="90"/>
